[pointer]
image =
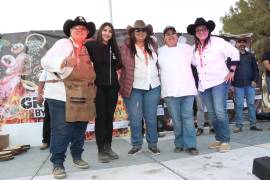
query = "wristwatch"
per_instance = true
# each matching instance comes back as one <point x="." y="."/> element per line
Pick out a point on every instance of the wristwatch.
<point x="231" y="70"/>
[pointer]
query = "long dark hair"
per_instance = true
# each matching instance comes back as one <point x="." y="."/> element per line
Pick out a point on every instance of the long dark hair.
<point x="197" y="41"/>
<point x="148" y="41"/>
<point x="112" y="42"/>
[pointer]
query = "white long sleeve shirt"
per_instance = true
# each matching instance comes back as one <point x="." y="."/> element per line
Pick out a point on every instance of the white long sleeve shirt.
<point x="51" y="63"/>
<point x="43" y="76"/>
<point x="211" y="64"/>
<point x="145" y="72"/>
<point x="175" y="71"/>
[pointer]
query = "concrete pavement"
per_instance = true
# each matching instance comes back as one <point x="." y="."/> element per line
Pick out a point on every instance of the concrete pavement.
<point x="208" y="165"/>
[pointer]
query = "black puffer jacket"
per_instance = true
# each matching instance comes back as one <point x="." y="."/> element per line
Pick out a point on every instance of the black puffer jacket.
<point x="105" y="63"/>
<point x="246" y="71"/>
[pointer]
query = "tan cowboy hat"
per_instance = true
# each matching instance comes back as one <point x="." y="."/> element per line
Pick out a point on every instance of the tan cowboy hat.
<point x="140" y="24"/>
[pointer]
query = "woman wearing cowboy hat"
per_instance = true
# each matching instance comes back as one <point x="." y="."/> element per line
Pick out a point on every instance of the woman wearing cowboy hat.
<point x="140" y="85"/>
<point x="69" y="67"/>
<point x="211" y="54"/>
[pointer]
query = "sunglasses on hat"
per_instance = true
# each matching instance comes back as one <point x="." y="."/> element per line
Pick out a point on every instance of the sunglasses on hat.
<point x="140" y="30"/>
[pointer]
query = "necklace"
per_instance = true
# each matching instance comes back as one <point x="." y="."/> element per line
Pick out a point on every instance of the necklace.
<point x="146" y="55"/>
<point x="200" y="50"/>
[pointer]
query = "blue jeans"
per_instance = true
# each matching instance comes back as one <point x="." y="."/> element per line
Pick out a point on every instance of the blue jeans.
<point x="143" y="104"/>
<point x="181" y="111"/>
<point x="200" y="112"/>
<point x="62" y="133"/>
<point x="240" y="93"/>
<point x="214" y="99"/>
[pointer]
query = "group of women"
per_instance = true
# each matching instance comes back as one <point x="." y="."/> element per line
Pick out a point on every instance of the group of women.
<point x="140" y="81"/>
<point x="137" y="66"/>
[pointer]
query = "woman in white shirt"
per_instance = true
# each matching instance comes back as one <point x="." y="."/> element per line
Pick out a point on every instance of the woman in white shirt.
<point x="178" y="89"/>
<point x="211" y="54"/>
<point x="140" y="85"/>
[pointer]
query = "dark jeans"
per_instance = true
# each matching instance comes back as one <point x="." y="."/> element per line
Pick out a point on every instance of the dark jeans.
<point x="249" y="92"/>
<point x="106" y="100"/>
<point x="63" y="133"/>
<point x="46" y="133"/>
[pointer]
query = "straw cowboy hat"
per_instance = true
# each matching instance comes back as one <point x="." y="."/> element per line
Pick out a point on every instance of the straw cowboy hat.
<point x="191" y="29"/>
<point x="79" y="21"/>
<point x="140" y="24"/>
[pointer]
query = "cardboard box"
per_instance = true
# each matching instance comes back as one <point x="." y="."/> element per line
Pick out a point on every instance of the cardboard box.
<point x="4" y="141"/>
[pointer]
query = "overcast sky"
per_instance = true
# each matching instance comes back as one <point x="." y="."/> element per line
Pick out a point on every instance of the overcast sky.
<point x="25" y="15"/>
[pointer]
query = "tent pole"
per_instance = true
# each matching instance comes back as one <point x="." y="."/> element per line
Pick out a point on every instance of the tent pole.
<point x="110" y="7"/>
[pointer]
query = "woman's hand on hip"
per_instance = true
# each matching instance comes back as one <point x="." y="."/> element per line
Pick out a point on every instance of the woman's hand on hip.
<point x="229" y="77"/>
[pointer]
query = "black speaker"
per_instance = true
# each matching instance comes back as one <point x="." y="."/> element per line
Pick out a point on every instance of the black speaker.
<point x="261" y="167"/>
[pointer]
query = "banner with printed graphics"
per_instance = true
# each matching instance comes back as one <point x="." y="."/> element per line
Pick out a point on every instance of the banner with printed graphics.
<point x="20" y="55"/>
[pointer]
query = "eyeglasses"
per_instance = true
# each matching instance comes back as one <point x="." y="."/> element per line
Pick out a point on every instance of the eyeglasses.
<point x="201" y="30"/>
<point x="140" y="30"/>
<point x="170" y="34"/>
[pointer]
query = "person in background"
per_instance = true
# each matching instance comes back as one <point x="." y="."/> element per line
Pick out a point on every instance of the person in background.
<point x="245" y="80"/>
<point x="201" y="120"/>
<point x="140" y="85"/>
<point x="46" y="131"/>
<point x="210" y="55"/>
<point x="106" y="57"/>
<point x="266" y="64"/>
<point x="178" y="89"/>
<point x="71" y="96"/>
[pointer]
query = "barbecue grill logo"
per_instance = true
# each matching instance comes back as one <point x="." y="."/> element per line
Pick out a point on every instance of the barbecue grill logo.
<point x="30" y="103"/>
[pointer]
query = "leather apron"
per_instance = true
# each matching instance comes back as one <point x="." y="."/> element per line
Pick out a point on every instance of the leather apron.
<point x="81" y="90"/>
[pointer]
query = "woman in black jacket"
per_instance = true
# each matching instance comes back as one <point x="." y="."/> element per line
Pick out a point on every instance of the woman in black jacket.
<point x="105" y="55"/>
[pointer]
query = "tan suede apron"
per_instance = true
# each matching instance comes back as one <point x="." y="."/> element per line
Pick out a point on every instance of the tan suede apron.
<point x="81" y="90"/>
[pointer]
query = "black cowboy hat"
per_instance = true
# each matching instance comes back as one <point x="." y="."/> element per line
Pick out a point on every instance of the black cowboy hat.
<point x="79" y="21"/>
<point x="140" y="24"/>
<point x="191" y="29"/>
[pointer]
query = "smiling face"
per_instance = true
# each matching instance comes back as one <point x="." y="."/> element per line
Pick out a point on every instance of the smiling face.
<point x="202" y="32"/>
<point x="241" y="45"/>
<point x="140" y="34"/>
<point x="79" y="33"/>
<point x="170" y="38"/>
<point x="106" y="34"/>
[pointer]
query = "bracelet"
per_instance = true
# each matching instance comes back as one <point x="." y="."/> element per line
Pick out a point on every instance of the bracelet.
<point x="231" y="70"/>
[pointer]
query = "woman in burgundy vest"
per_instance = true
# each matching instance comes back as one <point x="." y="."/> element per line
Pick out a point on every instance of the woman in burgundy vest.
<point x="140" y="85"/>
